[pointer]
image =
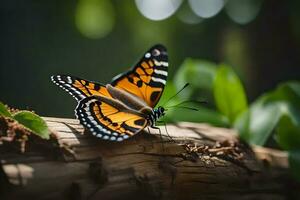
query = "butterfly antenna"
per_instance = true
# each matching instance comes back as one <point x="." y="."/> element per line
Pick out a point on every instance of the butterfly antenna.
<point x="192" y="101"/>
<point x="179" y="105"/>
<point x="187" y="84"/>
<point x="184" y="107"/>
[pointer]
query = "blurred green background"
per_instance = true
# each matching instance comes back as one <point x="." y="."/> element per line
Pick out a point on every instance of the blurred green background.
<point x="98" y="39"/>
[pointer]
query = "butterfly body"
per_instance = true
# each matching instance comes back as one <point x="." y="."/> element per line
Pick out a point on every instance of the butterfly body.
<point x="126" y="102"/>
<point x="124" y="107"/>
<point x="155" y="115"/>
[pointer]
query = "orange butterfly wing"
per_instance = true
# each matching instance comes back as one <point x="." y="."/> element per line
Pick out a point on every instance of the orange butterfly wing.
<point x="148" y="77"/>
<point x="107" y="122"/>
<point x="79" y="88"/>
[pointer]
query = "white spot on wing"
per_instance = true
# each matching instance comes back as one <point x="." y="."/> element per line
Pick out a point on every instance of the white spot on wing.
<point x="159" y="80"/>
<point x="162" y="63"/>
<point x="105" y="137"/>
<point x="147" y="55"/>
<point x="91" y="118"/>
<point x="113" y="138"/>
<point x="166" y="64"/>
<point x="125" y="136"/>
<point x="69" y="80"/>
<point x="161" y="72"/>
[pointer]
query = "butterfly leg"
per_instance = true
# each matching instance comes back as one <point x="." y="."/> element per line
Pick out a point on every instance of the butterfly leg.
<point x="165" y="125"/>
<point x="150" y="141"/>
<point x="161" y="138"/>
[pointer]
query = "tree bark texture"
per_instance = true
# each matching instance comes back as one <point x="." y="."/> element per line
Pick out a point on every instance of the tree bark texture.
<point x="196" y="161"/>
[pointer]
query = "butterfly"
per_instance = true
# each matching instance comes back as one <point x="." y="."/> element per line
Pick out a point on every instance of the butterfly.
<point x="126" y="105"/>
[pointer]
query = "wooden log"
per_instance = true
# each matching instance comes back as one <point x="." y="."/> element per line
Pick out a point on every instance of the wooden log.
<point x="199" y="162"/>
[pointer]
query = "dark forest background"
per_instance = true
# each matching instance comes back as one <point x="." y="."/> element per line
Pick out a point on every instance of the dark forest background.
<point x="42" y="38"/>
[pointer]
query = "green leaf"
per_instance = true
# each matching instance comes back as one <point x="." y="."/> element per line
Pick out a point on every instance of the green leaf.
<point x="3" y="110"/>
<point x="242" y="124"/>
<point x="229" y="93"/>
<point x="199" y="73"/>
<point x="294" y="87"/>
<point x="33" y="122"/>
<point x="288" y="134"/>
<point x="257" y="123"/>
<point x="294" y="163"/>
<point x="289" y="91"/>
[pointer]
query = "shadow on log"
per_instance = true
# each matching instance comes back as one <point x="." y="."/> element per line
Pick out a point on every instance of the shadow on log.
<point x="199" y="162"/>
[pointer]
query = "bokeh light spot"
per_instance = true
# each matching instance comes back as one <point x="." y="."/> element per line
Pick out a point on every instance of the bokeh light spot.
<point x="206" y="8"/>
<point x="186" y="15"/>
<point x="94" y="18"/>
<point x="157" y="9"/>
<point x="243" y="11"/>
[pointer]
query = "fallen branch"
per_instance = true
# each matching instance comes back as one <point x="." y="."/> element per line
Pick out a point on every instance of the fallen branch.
<point x="199" y="162"/>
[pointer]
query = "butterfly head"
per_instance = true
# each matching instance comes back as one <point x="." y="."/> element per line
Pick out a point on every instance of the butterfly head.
<point x="161" y="111"/>
<point x="158" y="112"/>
